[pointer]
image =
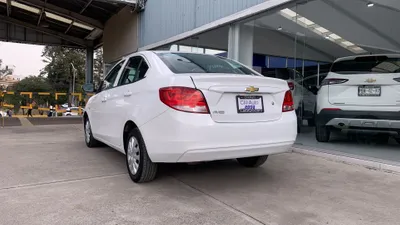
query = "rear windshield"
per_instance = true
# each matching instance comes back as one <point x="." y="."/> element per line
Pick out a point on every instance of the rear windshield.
<point x="198" y="63"/>
<point x="369" y="64"/>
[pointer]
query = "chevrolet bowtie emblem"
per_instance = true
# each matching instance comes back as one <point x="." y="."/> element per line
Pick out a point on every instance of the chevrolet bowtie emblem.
<point x="252" y="89"/>
<point x="370" y="80"/>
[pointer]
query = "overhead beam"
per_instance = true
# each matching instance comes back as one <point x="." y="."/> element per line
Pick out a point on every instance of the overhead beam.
<point x="65" y="13"/>
<point x="8" y="7"/>
<point x="65" y="37"/>
<point x="40" y="17"/>
<point x="87" y="5"/>
<point x="69" y="27"/>
<point x="362" y="22"/>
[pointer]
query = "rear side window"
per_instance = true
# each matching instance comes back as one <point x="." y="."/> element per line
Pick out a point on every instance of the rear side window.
<point x="198" y="63"/>
<point x="367" y="64"/>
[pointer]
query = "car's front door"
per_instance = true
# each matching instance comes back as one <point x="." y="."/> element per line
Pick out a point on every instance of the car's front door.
<point x="117" y="104"/>
<point x="99" y="106"/>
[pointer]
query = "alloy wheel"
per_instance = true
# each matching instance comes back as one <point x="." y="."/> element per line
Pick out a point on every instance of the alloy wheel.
<point x="88" y="131"/>
<point x="133" y="155"/>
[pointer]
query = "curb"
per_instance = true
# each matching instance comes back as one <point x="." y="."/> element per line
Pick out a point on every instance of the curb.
<point x="367" y="162"/>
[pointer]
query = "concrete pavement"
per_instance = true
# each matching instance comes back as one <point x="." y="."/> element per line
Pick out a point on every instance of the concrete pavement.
<point x="48" y="176"/>
<point x="35" y="121"/>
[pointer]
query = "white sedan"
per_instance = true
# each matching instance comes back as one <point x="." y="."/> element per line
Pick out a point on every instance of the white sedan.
<point x="171" y="107"/>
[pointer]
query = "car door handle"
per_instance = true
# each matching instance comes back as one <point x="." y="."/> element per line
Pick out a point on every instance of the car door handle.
<point x="128" y="93"/>
<point x="104" y="99"/>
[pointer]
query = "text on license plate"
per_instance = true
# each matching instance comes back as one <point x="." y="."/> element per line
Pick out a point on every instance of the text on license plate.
<point x="369" y="91"/>
<point x="250" y="104"/>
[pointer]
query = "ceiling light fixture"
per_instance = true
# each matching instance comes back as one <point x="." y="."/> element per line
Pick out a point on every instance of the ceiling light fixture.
<point x="321" y="31"/>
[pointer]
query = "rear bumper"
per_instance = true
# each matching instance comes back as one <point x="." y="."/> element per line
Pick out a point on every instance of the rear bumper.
<point x="185" y="137"/>
<point x="379" y="120"/>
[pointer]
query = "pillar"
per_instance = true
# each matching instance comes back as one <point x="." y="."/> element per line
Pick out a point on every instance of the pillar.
<point x="89" y="65"/>
<point x="240" y="43"/>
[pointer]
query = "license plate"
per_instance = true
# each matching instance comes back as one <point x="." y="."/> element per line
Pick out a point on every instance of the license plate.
<point x="249" y="104"/>
<point x="369" y="91"/>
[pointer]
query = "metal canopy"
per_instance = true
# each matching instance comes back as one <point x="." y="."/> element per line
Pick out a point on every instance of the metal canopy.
<point x="324" y="30"/>
<point x="72" y="23"/>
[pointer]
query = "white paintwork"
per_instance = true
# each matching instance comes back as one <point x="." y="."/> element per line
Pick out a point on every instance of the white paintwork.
<point x="345" y="96"/>
<point x="175" y="136"/>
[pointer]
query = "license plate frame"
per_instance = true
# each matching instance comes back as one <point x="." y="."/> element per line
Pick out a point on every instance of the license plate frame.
<point x="250" y="110"/>
<point x="369" y="87"/>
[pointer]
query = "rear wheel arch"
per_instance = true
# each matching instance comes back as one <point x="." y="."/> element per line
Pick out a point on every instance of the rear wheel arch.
<point x="128" y="127"/>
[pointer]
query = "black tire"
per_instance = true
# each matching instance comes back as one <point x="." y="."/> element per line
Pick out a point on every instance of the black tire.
<point x="397" y="139"/>
<point x="322" y="133"/>
<point x="147" y="170"/>
<point x="299" y="125"/>
<point x="90" y="141"/>
<point x="311" y="122"/>
<point x="252" y="162"/>
<point x="382" y="138"/>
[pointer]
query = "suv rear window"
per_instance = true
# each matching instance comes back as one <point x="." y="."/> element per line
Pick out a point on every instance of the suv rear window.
<point x="367" y="64"/>
<point x="198" y="63"/>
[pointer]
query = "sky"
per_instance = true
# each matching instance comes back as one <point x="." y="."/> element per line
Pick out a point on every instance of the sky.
<point x="26" y="58"/>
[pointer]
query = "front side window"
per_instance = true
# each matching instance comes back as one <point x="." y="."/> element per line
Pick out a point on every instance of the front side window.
<point x="197" y="63"/>
<point x="367" y="64"/>
<point x="109" y="81"/>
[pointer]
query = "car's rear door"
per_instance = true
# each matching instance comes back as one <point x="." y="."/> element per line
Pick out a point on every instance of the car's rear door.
<point x="365" y="81"/>
<point x="122" y="99"/>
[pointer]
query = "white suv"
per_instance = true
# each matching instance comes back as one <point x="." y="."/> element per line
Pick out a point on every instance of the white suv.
<point x="360" y="93"/>
<point x="168" y="107"/>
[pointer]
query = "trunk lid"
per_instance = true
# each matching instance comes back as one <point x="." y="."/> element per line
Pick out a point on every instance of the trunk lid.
<point x="229" y="102"/>
<point x="368" y="89"/>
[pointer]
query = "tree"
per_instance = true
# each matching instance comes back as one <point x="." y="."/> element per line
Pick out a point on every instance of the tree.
<point x="59" y="68"/>
<point x="4" y="71"/>
<point x="98" y="71"/>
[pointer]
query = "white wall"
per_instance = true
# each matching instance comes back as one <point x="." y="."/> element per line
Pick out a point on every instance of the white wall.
<point x="120" y="36"/>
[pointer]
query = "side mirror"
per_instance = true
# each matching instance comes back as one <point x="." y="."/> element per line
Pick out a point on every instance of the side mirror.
<point x="89" y="88"/>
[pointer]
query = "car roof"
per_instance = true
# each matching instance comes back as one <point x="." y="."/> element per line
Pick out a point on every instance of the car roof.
<point x="357" y="56"/>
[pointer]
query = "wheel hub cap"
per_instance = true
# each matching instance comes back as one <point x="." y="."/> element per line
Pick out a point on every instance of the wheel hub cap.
<point x="133" y="155"/>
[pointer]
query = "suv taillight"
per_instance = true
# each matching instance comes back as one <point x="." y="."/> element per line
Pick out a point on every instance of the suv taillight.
<point x="184" y="99"/>
<point x="332" y="81"/>
<point x="288" y="103"/>
<point x="291" y="85"/>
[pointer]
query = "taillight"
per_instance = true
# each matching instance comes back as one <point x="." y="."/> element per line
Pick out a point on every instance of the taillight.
<point x="332" y="81"/>
<point x="288" y="103"/>
<point x="291" y="85"/>
<point x="184" y="99"/>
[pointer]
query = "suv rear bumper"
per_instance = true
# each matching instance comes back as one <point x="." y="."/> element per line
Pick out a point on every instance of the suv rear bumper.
<point x="371" y="120"/>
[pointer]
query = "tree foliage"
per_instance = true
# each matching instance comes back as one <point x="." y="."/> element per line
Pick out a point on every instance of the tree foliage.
<point x="98" y="71"/>
<point x="29" y="84"/>
<point x="59" y="68"/>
